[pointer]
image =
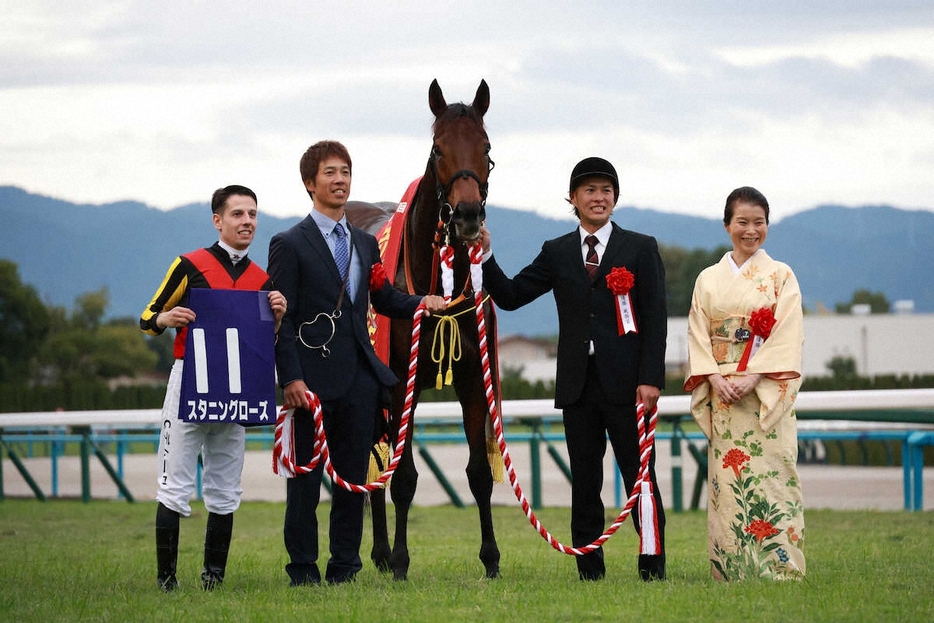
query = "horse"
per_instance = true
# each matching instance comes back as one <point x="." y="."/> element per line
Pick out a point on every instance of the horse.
<point x="449" y="202"/>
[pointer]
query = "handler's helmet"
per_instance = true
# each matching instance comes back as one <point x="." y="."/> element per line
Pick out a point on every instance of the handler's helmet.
<point x="592" y="166"/>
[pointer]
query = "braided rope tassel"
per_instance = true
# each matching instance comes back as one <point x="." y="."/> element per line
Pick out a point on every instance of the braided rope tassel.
<point x="649" y="537"/>
<point x="283" y="450"/>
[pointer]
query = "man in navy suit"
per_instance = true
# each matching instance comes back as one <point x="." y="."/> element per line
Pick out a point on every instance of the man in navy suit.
<point x="605" y="366"/>
<point x="322" y="266"/>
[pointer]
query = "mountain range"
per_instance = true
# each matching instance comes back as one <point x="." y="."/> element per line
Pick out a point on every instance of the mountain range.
<point x="65" y="249"/>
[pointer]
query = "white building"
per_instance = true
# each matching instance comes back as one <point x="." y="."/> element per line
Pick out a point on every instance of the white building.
<point x="900" y="343"/>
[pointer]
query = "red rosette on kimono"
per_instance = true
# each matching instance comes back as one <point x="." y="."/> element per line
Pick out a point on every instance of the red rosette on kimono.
<point x="377" y="277"/>
<point x="761" y="322"/>
<point x="620" y="282"/>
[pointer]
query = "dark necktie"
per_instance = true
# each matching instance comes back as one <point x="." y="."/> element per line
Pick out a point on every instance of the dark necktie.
<point x="592" y="263"/>
<point x="341" y="256"/>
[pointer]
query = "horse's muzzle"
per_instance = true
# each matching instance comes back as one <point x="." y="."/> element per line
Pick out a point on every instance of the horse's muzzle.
<point x="467" y="220"/>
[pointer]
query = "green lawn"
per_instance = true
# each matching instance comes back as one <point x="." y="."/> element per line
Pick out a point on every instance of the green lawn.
<point x="68" y="561"/>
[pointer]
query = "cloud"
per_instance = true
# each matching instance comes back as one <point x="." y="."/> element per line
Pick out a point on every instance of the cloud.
<point x="162" y="102"/>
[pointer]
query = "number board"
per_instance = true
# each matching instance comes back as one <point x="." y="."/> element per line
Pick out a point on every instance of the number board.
<point x="229" y="370"/>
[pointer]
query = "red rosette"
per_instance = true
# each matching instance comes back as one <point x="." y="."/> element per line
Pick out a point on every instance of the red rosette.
<point x="377" y="276"/>
<point x="620" y="280"/>
<point x="761" y="322"/>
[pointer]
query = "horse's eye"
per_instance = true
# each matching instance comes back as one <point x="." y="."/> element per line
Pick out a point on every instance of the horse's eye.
<point x="435" y="151"/>
<point x="487" y="151"/>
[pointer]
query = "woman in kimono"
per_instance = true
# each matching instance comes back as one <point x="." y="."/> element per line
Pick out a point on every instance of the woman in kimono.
<point x="744" y="369"/>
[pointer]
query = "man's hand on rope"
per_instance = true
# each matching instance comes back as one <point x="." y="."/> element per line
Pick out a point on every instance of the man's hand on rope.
<point x="434" y="304"/>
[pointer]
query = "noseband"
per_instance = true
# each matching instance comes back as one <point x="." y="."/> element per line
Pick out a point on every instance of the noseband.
<point x="445" y="210"/>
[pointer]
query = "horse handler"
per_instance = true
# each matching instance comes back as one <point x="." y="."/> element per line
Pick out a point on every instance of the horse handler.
<point x="223" y="265"/>
<point x="331" y="272"/>
<point x="609" y="288"/>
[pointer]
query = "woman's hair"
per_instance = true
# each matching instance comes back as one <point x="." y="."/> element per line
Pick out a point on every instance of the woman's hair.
<point x="745" y="194"/>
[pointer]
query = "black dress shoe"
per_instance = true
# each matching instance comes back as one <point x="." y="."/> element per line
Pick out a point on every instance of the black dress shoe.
<point x="590" y="576"/>
<point x="210" y="581"/>
<point x="350" y="577"/>
<point x="651" y="567"/>
<point x="303" y="575"/>
<point x="168" y="584"/>
<point x="590" y="567"/>
<point x="307" y="581"/>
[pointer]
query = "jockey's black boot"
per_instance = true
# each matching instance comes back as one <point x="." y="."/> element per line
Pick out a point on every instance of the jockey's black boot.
<point x="166" y="547"/>
<point x="216" y="546"/>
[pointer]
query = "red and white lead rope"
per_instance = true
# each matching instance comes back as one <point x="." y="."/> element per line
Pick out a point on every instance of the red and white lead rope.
<point x="284" y="444"/>
<point x="650" y="541"/>
<point x="649" y="537"/>
<point x="446" y="256"/>
<point x="283" y="450"/>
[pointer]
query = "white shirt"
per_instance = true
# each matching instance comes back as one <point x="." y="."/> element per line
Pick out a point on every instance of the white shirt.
<point x="603" y="238"/>
<point x="235" y="254"/>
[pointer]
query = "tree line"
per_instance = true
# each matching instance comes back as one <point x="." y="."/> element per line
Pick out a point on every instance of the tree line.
<point x="52" y="357"/>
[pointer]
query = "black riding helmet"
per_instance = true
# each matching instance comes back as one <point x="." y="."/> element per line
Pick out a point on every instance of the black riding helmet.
<point x="589" y="167"/>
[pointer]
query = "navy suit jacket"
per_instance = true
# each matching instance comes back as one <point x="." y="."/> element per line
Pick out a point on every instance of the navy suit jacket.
<point x="303" y="270"/>
<point x="587" y="312"/>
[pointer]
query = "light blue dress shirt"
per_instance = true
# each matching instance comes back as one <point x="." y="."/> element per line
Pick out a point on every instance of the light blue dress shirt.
<point x="326" y="225"/>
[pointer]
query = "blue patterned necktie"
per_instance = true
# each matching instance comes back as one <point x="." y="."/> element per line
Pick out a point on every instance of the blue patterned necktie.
<point x="341" y="255"/>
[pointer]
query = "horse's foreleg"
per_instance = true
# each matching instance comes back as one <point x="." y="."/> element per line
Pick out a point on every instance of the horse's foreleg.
<point x="480" y="479"/>
<point x="403" y="486"/>
<point x="481" y="486"/>
<point x="380" y="552"/>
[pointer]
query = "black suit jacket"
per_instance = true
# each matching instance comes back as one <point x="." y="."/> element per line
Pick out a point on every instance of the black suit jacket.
<point x="587" y="312"/>
<point x="303" y="270"/>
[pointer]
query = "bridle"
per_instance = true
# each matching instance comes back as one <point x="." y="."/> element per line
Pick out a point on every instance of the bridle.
<point x="445" y="210"/>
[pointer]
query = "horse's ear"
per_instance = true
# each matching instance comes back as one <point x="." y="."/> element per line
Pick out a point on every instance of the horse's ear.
<point x="436" y="98"/>
<point x="481" y="100"/>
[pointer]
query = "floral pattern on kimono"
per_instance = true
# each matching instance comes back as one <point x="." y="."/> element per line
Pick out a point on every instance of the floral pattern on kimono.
<point x="755" y="508"/>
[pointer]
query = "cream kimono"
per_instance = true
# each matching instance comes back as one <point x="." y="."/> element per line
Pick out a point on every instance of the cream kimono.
<point x="755" y="512"/>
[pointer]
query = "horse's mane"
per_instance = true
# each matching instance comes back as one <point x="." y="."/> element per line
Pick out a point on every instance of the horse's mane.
<point x="455" y="111"/>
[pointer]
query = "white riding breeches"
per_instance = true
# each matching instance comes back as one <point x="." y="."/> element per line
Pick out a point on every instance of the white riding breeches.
<point x="221" y="448"/>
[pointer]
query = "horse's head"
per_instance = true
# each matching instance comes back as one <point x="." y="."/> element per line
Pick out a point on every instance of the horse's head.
<point x="460" y="160"/>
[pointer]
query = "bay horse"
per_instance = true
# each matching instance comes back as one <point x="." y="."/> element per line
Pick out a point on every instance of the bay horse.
<point x="450" y="201"/>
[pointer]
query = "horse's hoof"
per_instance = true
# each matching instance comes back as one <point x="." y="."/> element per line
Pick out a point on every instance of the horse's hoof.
<point x="380" y="557"/>
<point x="489" y="556"/>
<point x="382" y="565"/>
<point x="399" y="562"/>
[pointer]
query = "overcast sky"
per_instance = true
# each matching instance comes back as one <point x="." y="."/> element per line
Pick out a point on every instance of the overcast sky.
<point x="162" y="102"/>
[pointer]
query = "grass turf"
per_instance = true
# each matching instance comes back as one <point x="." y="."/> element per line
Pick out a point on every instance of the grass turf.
<point x="68" y="561"/>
